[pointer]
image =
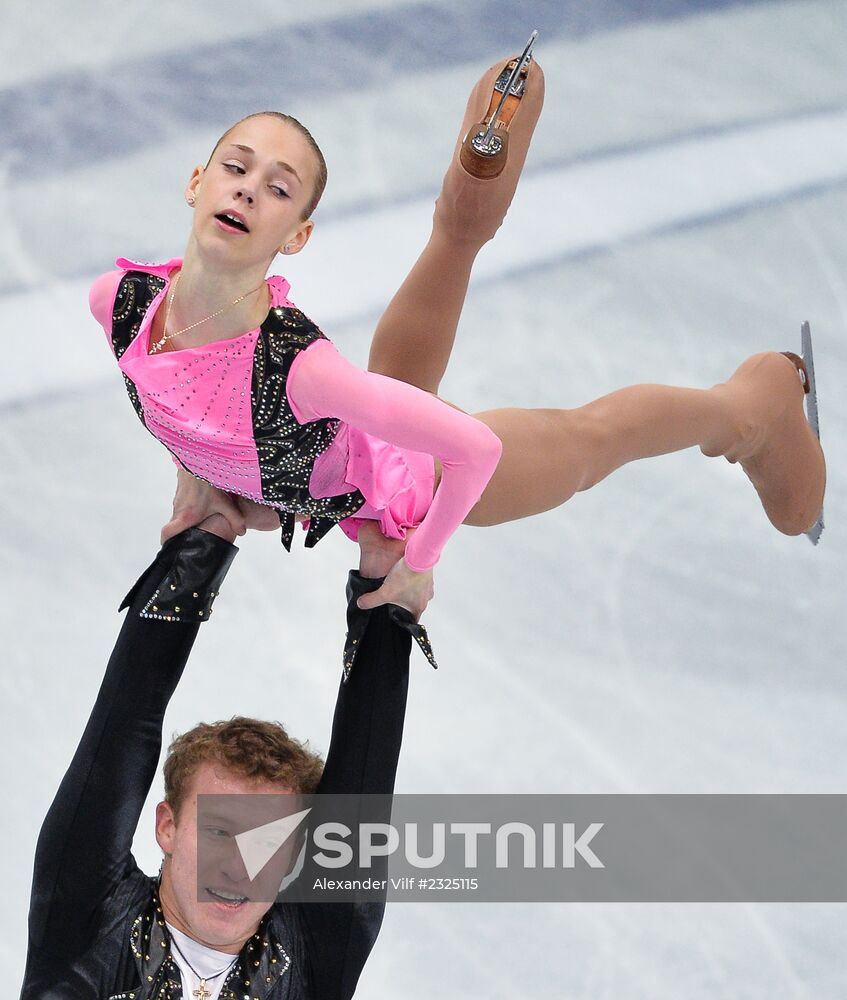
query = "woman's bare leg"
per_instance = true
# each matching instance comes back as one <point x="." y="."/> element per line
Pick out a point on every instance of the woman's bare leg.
<point x="415" y="335"/>
<point x="756" y="418"/>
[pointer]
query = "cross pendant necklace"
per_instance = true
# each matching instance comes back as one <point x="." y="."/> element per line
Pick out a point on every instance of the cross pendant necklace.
<point x="201" y="992"/>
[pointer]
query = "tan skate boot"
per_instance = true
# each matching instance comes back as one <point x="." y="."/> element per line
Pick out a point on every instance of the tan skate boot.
<point x="775" y="444"/>
<point x="485" y="148"/>
<point x="470" y="207"/>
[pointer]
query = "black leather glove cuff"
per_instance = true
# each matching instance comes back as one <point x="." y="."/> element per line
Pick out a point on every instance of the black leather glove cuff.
<point x="357" y="621"/>
<point x="183" y="580"/>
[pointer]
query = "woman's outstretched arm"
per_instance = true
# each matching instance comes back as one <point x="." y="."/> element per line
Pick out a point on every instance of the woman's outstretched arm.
<point x="323" y="384"/>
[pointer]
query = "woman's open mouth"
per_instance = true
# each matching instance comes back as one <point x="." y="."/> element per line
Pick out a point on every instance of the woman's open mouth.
<point x="231" y="222"/>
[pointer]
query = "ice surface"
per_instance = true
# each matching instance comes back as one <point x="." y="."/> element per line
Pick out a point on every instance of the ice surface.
<point x="684" y="206"/>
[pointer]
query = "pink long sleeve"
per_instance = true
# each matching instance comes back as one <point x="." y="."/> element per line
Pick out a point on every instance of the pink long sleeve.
<point x="101" y="299"/>
<point x="323" y="384"/>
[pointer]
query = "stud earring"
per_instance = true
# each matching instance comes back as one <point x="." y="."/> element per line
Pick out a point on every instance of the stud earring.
<point x="287" y="248"/>
<point x="191" y="202"/>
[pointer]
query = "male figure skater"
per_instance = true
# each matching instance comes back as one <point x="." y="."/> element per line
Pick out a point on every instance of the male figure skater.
<point x="98" y="926"/>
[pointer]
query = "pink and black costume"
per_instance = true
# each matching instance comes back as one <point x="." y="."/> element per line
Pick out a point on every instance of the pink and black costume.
<point x="278" y="416"/>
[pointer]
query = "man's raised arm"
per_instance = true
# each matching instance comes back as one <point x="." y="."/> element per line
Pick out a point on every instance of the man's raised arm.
<point x="83" y="856"/>
<point x="367" y="733"/>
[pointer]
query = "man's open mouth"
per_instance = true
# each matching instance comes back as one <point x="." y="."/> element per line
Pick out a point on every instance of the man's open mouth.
<point x="232" y="220"/>
<point x="227" y="898"/>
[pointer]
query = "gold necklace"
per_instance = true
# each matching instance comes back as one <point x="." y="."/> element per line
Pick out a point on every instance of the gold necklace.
<point x="169" y="336"/>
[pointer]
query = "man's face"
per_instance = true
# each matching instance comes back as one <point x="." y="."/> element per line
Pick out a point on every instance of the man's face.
<point x="206" y="891"/>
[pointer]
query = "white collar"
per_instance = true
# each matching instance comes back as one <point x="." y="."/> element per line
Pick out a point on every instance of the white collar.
<point x="205" y="960"/>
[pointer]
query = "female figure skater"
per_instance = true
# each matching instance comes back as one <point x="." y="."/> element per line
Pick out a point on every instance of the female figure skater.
<point x="263" y="416"/>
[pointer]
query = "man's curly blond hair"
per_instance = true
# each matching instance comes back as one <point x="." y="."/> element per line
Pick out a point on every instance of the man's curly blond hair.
<point x="250" y="748"/>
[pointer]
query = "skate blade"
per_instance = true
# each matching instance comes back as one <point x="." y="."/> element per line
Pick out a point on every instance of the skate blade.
<point x="510" y="83"/>
<point x="814" y="533"/>
<point x="513" y="81"/>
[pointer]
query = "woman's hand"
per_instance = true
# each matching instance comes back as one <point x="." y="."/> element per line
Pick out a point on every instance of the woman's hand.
<point x="402" y="586"/>
<point x="195" y="501"/>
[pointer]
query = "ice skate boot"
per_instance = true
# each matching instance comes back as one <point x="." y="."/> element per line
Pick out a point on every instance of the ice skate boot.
<point x="776" y="445"/>
<point x="485" y="148"/>
<point x="472" y="205"/>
